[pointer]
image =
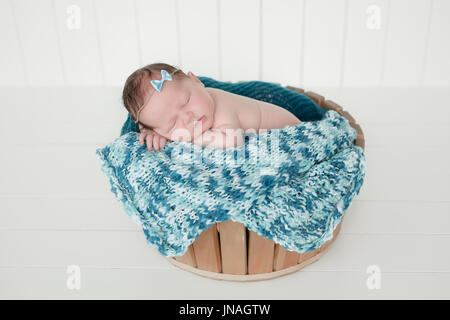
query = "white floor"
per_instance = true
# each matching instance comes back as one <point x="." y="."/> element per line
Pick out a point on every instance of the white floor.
<point x="57" y="210"/>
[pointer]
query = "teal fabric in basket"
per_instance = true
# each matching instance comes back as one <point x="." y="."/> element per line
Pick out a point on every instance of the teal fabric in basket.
<point x="291" y="185"/>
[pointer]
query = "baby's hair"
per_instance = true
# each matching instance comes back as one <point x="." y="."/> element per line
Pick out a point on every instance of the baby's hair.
<point x="134" y="95"/>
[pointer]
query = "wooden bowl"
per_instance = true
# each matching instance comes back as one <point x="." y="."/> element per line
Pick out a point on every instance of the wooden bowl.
<point x="229" y="251"/>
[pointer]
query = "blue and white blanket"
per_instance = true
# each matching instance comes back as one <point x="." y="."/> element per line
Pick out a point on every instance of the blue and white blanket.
<point x="291" y="185"/>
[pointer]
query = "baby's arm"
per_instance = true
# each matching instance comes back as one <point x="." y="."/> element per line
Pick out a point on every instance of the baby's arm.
<point x="226" y="135"/>
<point x="221" y="138"/>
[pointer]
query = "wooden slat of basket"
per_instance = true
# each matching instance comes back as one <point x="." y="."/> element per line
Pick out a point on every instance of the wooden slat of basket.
<point x="207" y="250"/>
<point x="349" y="117"/>
<point x="233" y="245"/>
<point x="307" y="255"/>
<point x="331" y="105"/>
<point x="189" y="257"/>
<point x="284" y="258"/>
<point x="359" y="141"/>
<point x="299" y="90"/>
<point x="358" y="129"/>
<point x="260" y="254"/>
<point x="319" y="99"/>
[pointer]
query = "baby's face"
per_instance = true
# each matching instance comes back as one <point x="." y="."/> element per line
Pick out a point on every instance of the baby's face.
<point x="183" y="109"/>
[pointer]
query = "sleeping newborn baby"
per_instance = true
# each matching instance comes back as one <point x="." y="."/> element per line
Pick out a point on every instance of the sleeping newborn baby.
<point x="178" y="107"/>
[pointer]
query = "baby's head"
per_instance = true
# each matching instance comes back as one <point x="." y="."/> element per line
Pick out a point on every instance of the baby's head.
<point x="174" y="111"/>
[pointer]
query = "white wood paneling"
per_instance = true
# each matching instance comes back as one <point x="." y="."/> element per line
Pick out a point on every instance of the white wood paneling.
<point x="41" y="48"/>
<point x="199" y="44"/>
<point x="240" y="40"/>
<point x="87" y="116"/>
<point x="79" y="46"/>
<point x="50" y="171"/>
<point x="104" y="213"/>
<point x="324" y="41"/>
<point x="402" y="135"/>
<point x="405" y="43"/>
<point x="408" y="175"/>
<point x="413" y="107"/>
<point x="158" y="31"/>
<point x="136" y="283"/>
<point x="364" y="43"/>
<point x="118" y="39"/>
<point x="297" y="42"/>
<point x="350" y="251"/>
<point x="398" y="217"/>
<point x="12" y="71"/>
<point x="437" y="64"/>
<point x="98" y="213"/>
<point x="78" y="247"/>
<point x="282" y="41"/>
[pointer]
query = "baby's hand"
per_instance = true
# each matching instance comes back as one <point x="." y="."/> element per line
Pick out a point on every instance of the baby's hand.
<point x="221" y="138"/>
<point x="153" y="139"/>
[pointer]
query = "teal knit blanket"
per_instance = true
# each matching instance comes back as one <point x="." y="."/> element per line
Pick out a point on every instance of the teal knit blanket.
<point x="291" y="185"/>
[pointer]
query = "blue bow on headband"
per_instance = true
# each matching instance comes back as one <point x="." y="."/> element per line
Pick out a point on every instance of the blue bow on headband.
<point x="157" y="84"/>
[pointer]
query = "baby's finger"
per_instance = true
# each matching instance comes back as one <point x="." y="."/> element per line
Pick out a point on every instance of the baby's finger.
<point x="163" y="142"/>
<point x="141" y="138"/>
<point x="156" y="143"/>
<point x="149" y="140"/>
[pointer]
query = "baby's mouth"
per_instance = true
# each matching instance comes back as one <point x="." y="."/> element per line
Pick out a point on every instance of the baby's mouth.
<point x="200" y="122"/>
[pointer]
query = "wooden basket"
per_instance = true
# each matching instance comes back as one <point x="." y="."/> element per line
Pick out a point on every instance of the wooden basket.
<point x="229" y="251"/>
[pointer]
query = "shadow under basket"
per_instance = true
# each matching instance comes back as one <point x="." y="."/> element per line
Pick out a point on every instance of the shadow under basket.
<point x="229" y="251"/>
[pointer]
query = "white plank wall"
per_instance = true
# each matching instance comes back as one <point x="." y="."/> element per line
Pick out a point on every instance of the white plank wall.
<point x="80" y="49"/>
<point x="118" y="39"/>
<point x="406" y="42"/>
<point x="12" y="66"/>
<point x="364" y="43"/>
<point x="436" y="70"/>
<point x="38" y="36"/>
<point x="282" y="41"/>
<point x="60" y="93"/>
<point x="240" y="34"/>
<point x="324" y="42"/>
<point x="157" y="25"/>
<point x="198" y="22"/>
<point x="300" y="42"/>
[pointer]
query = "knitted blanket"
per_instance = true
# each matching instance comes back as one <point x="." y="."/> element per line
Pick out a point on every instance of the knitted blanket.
<point x="291" y="185"/>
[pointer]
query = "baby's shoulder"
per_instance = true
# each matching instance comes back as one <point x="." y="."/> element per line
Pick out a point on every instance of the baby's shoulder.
<point x="226" y="119"/>
<point x="225" y="112"/>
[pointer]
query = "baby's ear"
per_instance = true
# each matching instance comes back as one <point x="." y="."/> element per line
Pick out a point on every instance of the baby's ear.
<point x="192" y="76"/>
